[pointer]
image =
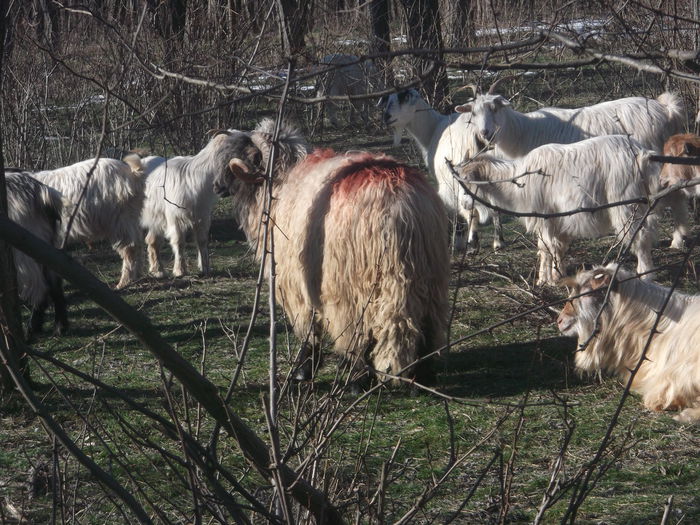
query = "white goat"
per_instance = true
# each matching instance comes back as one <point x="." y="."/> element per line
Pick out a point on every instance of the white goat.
<point x="37" y="208"/>
<point x="564" y="177"/>
<point x="613" y="334"/>
<point x="110" y="208"/>
<point x="356" y="77"/>
<point x="179" y="199"/>
<point x="648" y="121"/>
<point x="440" y="138"/>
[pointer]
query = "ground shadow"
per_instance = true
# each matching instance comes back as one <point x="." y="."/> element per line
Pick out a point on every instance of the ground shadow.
<point x="508" y="370"/>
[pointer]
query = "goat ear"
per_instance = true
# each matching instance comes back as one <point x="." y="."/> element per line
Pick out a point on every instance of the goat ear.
<point x="600" y="279"/>
<point x="241" y="171"/>
<point x="691" y="149"/>
<point x="500" y="101"/>
<point x="566" y="282"/>
<point x="464" y="108"/>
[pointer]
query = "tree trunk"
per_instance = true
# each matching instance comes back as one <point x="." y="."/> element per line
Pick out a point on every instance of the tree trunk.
<point x="380" y="38"/>
<point x="424" y="32"/>
<point x="10" y="323"/>
<point x="458" y="22"/>
<point x="293" y="16"/>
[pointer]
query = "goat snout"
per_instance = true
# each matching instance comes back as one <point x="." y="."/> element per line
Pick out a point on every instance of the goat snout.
<point x="487" y="135"/>
<point x="387" y="119"/>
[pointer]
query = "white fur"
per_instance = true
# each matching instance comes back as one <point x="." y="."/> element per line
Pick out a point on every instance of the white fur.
<point x="179" y="199"/>
<point x="440" y="138"/>
<point x="613" y="337"/>
<point x="110" y="209"/>
<point x="585" y="174"/>
<point x="39" y="209"/>
<point x="360" y="248"/>
<point x="649" y="121"/>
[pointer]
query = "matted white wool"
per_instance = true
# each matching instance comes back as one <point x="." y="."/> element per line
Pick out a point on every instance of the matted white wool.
<point x="613" y="338"/>
<point x="110" y="209"/>
<point x="368" y="265"/>
<point x="649" y="121"/>
<point x="440" y="138"/>
<point x="564" y="177"/>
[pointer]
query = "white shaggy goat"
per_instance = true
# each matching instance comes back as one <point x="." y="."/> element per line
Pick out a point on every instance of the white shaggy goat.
<point x="612" y="336"/>
<point x="648" y="121"/>
<point x="37" y="208"/>
<point x="360" y="245"/>
<point x="563" y="177"/>
<point x="179" y="200"/>
<point x="355" y="77"/>
<point x="440" y="138"/>
<point x="110" y="208"/>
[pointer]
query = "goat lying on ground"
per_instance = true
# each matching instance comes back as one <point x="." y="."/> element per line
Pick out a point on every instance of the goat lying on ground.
<point x="560" y="178"/>
<point x="613" y="335"/>
<point x="360" y="248"/>
<point x="37" y="208"/>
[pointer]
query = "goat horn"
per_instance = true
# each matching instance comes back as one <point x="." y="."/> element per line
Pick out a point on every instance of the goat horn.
<point x="473" y="87"/>
<point x="241" y="170"/>
<point x="493" y="87"/>
<point x="218" y="131"/>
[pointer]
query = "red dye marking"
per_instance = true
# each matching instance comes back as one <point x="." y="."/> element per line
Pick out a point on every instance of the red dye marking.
<point x="366" y="168"/>
<point x="318" y="155"/>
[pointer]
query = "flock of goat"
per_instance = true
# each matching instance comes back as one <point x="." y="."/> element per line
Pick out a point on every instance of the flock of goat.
<point x="362" y="240"/>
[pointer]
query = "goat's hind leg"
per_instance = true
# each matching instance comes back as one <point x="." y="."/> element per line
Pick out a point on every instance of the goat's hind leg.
<point x="60" y="308"/>
<point x="498" y="240"/>
<point x="155" y="265"/>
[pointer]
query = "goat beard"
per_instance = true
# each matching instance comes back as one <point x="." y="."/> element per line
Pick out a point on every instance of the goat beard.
<point x="398" y="133"/>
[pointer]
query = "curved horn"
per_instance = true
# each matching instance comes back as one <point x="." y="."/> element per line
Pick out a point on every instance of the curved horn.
<point x="493" y="87"/>
<point x="240" y="170"/>
<point x="473" y="87"/>
<point x="218" y="131"/>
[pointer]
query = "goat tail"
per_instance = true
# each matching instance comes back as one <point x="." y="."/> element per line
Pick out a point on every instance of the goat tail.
<point x="674" y="108"/>
<point x="134" y="162"/>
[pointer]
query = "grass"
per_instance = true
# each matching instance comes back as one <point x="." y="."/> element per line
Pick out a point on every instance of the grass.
<point x="410" y="435"/>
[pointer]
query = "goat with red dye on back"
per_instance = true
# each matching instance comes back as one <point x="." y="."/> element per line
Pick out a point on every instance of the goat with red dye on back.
<point x="361" y="250"/>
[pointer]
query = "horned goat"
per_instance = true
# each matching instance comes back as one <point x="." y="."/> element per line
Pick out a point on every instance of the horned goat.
<point x="558" y="178"/>
<point x="614" y="332"/>
<point x="361" y="252"/>
<point x="110" y="208"/>
<point x="648" y="121"/>
<point x="441" y="138"/>
<point x="179" y="199"/>
<point x="38" y="209"/>
<point x="346" y="75"/>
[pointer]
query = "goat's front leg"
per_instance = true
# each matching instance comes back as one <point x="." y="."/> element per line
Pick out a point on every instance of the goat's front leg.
<point x="678" y="203"/>
<point x="202" y="239"/>
<point x="544" y="272"/>
<point x="177" y="243"/>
